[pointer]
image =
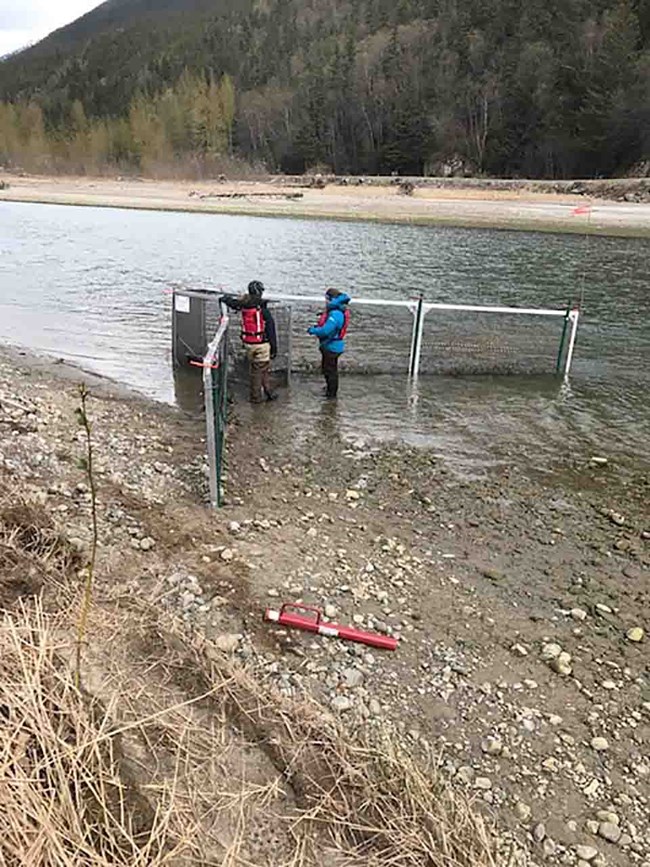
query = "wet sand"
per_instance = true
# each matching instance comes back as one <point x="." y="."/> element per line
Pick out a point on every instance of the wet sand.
<point x="472" y="206"/>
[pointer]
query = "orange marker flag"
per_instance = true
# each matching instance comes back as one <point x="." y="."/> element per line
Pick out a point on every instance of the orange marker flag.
<point x="583" y="209"/>
<point x="202" y="364"/>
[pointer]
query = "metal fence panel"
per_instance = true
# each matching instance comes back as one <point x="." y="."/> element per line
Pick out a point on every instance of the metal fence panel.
<point x="459" y="342"/>
<point x="386" y="335"/>
<point x="215" y="388"/>
<point x="415" y="336"/>
<point x="188" y="328"/>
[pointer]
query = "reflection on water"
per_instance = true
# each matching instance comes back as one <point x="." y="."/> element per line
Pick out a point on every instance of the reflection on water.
<point x="89" y="285"/>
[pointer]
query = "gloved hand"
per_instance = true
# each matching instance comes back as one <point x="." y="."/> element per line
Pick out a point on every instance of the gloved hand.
<point x="311" y="330"/>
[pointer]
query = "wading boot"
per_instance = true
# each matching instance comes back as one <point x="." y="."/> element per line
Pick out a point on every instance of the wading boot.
<point x="266" y="383"/>
<point x="256" y="378"/>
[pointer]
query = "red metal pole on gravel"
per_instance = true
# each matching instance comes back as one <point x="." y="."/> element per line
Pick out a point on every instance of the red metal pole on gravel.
<point x="312" y="622"/>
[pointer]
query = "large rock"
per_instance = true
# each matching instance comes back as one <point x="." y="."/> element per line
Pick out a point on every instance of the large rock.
<point x="551" y="651"/>
<point x="228" y="643"/>
<point x="340" y="703"/>
<point x="600" y="744"/>
<point x="562" y="664"/>
<point x="353" y="677"/>
<point x="522" y="811"/>
<point x="492" y="746"/>
<point x="609" y="831"/>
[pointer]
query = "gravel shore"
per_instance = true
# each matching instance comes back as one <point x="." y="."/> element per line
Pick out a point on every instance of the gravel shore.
<point x="521" y="601"/>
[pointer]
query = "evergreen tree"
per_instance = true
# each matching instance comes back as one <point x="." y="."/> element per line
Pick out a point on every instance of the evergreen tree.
<point x="541" y="88"/>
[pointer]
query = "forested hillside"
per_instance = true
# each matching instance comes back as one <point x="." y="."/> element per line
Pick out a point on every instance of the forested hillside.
<point x="538" y="88"/>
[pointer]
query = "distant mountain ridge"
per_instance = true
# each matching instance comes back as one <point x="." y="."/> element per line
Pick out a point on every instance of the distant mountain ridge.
<point x="539" y="88"/>
<point x="114" y="14"/>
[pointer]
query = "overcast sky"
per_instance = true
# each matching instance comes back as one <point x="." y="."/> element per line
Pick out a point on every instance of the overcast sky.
<point x="25" y="21"/>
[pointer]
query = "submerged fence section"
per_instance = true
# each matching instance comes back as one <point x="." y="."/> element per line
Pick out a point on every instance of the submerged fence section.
<point x="454" y="338"/>
<point x="386" y="335"/>
<point x="416" y="336"/>
<point x="412" y="336"/>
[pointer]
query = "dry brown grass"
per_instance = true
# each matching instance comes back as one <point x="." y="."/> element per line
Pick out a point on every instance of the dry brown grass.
<point x="33" y="551"/>
<point x="172" y="754"/>
<point x="365" y="798"/>
<point x="67" y="797"/>
<point x="368" y="794"/>
<point x="187" y="755"/>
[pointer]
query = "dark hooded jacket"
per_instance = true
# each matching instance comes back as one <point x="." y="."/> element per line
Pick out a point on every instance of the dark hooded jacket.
<point x="242" y="302"/>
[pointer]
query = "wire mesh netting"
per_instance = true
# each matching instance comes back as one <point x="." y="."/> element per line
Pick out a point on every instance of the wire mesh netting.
<point x="461" y="342"/>
<point x="378" y="339"/>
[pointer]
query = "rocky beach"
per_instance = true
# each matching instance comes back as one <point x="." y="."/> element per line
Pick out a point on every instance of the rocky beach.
<point x="519" y="598"/>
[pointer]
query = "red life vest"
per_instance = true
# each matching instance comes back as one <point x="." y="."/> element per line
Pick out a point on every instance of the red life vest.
<point x="253" y="329"/>
<point x="322" y="319"/>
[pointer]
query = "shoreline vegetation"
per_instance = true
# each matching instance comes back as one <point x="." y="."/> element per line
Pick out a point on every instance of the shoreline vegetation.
<point x="418" y="87"/>
<point x="606" y="207"/>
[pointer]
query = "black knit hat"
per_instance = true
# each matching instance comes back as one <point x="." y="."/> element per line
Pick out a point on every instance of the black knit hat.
<point x="256" y="288"/>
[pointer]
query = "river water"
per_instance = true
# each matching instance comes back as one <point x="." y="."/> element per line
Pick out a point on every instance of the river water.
<point x="91" y="286"/>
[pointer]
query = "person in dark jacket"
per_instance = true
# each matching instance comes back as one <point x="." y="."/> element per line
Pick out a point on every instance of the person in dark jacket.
<point x="259" y="337"/>
<point x="331" y="330"/>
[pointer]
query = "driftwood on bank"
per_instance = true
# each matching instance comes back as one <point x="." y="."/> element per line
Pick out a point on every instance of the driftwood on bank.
<point x="196" y="195"/>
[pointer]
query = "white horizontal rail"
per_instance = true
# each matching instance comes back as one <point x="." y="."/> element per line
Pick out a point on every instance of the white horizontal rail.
<point x="409" y="304"/>
<point x="319" y="299"/>
<point x="474" y="308"/>
<point x="377" y="302"/>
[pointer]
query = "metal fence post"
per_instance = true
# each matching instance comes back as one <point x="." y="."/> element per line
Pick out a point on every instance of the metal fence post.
<point x="416" y="339"/>
<point x="567" y="318"/>
<point x="575" y="316"/>
<point x="215" y="392"/>
<point x="211" y="434"/>
<point x="290" y="347"/>
<point x="223" y="413"/>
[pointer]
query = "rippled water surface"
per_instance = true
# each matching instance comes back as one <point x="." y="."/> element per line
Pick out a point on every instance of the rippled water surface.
<point x="88" y="285"/>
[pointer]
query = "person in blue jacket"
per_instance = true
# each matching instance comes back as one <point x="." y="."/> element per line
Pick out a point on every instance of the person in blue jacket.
<point x="331" y="330"/>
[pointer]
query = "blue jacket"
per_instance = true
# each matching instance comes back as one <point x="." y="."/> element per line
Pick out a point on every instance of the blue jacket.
<point x="329" y="333"/>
